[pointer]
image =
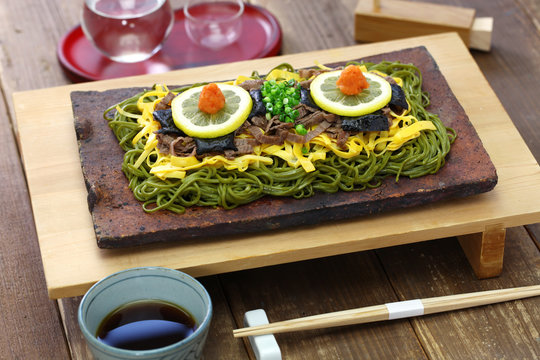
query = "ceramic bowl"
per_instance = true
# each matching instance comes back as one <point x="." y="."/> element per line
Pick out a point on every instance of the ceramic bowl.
<point x="146" y="283"/>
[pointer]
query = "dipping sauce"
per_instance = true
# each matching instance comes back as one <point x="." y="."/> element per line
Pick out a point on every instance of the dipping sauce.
<point x="145" y="325"/>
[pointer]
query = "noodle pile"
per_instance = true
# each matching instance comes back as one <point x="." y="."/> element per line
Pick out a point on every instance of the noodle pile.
<point x="219" y="186"/>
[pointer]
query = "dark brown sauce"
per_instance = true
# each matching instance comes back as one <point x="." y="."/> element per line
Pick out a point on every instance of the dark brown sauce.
<point x="145" y="325"/>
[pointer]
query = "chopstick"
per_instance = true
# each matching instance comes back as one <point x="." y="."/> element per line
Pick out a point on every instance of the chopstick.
<point x="396" y="310"/>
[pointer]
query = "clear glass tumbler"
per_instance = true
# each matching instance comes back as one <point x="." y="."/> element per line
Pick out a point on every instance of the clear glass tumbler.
<point x="213" y="23"/>
<point x="127" y="30"/>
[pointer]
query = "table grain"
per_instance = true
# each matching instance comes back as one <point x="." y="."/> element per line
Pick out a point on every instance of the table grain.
<point x="35" y="327"/>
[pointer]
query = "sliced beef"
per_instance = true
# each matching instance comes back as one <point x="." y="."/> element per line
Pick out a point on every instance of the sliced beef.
<point x="254" y="84"/>
<point x="342" y="137"/>
<point x="274" y="125"/>
<point x="316" y="118"/>
<point x="244" y="146"/>
<point x="262" y="138"/>
<point x="295" y="138"/>
<point x="317" y="131"/>
<point x="304" y="110"/>
<point x="165" y="103"/>
<point x="259" y="121"/>
<point x="336" y="132"/>
<point x="175" y="145"/>
<point x="308" y="73"/>
<point x="390" y="80"/>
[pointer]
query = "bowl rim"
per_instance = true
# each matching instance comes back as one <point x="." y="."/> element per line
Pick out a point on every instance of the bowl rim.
<point x="105" y="348"/>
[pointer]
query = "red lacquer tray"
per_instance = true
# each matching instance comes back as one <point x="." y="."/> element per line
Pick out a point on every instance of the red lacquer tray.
<point x="261" y="38"/>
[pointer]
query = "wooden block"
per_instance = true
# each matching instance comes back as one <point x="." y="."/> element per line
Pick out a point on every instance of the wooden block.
<point x="480" y="38"/>
<point x="398" y="19"/>
<point x="485" y="250"/>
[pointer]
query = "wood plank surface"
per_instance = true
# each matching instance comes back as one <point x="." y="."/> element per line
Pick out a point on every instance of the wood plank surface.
<point x="27" y="315"/>
<point x="313" y="25"/>
<point x="320" y="286"/>
<point x="29" y="33"/>
<point x="437" y="268"/>
<point x="56" y="183"/>
<point x="511" y="67"/>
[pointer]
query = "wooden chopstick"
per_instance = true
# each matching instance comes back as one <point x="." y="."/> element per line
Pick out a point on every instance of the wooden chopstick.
<point x="381" y="312"/>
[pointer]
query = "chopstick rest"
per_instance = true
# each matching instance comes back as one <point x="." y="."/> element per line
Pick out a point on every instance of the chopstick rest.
<point x="404" y="309"/>
<point x="390" y="311"/>
<point x="265" y="347"/>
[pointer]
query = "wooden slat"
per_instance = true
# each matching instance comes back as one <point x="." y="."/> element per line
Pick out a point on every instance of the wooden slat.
<point x="534" y="230"/>
<point x="220" y="340"/>
<point x="320" y="286"/>
<point x="438" y="268"/>
<point x="27" y="316"/>
<point x="77" y="345"/>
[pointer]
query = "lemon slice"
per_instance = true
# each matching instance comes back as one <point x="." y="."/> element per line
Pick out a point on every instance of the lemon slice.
<point x="327" y="95"/>
<point x="196" y="123"/>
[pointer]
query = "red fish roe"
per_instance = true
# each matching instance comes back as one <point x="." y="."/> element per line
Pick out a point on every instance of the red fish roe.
<point x="211" y="99"/>
<point x="352" y="81"/>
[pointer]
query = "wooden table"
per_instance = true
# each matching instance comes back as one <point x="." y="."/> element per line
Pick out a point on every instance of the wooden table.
<point x="37" y="327"/>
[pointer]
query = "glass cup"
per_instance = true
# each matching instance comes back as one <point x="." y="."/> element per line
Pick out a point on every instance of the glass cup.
<point x="127" y="31"/>
<point x="148" y="284"/>
<point x="213" y="24"/>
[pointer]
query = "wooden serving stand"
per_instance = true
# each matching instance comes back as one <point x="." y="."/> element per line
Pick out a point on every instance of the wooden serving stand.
<point x="382" y="20"/>
<point x="72" y="261"/>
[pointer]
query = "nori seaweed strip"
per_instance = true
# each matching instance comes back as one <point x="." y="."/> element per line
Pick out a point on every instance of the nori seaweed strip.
<point x="219" y="144"/>
<point x="258" y="108"/>
<point x="398" y="97"/>
<point x="164" y="117"/>
<point x="371" y="122"/>
<point x="305" y="98"/>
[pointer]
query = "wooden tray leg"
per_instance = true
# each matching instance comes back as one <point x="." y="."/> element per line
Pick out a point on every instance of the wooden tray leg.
<point x="485" y="250"/>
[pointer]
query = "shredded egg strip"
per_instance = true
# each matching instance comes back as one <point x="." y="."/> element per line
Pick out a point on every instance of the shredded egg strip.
<point x="166" y="166"/>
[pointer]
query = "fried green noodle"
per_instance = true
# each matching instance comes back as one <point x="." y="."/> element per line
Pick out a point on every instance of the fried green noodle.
<point x="210" y="186"/>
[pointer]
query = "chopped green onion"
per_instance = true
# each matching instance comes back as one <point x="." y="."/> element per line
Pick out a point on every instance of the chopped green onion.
<point x="280" y="98"/>
<point x="300" y="129"/>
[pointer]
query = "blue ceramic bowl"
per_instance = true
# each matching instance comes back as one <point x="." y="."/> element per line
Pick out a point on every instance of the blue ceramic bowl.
<point x="146" y="283"/>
